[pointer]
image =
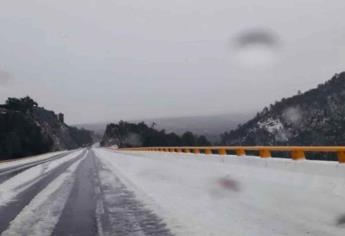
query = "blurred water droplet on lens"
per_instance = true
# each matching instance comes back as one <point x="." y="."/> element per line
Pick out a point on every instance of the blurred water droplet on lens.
<point x="255" y="49"/>
<point x="341" y="220"/>
<point x="5" y="77"/>
<point x="229" y="184"/>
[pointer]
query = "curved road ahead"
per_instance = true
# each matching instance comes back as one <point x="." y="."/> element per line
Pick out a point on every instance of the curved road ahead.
<point x="71" y="194"/>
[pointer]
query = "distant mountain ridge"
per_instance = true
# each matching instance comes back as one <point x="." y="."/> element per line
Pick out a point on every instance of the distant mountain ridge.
<point x="27" y="129"/>
<point x="316" y="117"/>
<point x="208" y="125"/>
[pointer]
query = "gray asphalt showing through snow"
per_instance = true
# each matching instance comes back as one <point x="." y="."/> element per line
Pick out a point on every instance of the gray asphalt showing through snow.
<point x="11" y="210"/>
<point x="99" y="203"/>
<point x="7" y="173"/>
<point x="98" y="207"/>
<point x="78" y="216"/>
<point x="122" y="213"/>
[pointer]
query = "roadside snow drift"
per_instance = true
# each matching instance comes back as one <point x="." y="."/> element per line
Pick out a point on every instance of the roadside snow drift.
<point x="215" y="195"/>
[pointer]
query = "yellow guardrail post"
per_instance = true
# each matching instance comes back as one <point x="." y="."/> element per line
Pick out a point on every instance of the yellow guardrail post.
<point x="196" y="150"/>
<point x="222" y="151"/>
<point x="297" y="155"/>
<point x="341" y="156"/>
<point x="240" y="152"/>
<point x="208" y="151"/>
<point x="265" y="153"/>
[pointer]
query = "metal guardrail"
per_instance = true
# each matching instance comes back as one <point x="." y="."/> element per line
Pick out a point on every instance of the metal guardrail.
<point x="296" y="152"/>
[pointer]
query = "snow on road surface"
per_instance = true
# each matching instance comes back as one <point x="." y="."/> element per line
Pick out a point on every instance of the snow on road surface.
<point x="215" y="195"/>
<point x="125" y="213"/>
<point x="43" y="212"/>
<point x="105" y="192"/>
<point x="76" y="194"/>
<point x="27" y="160"/>
<point x="22" y="181"/>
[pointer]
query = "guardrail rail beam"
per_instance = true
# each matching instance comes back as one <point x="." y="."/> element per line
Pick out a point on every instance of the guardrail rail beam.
<point x="296" y="152"/>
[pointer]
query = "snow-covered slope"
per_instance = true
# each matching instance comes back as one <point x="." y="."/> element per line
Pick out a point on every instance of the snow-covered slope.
<point x="213" y="195"/>
<point x="315" y="117"/>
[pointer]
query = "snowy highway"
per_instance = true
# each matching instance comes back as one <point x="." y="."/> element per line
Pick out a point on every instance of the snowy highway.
<point x="106" y="192"/>
<point x="64" y="195"/>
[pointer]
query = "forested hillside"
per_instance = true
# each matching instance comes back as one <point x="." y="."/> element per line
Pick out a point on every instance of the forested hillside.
<point x="316" y="117"/>
<point x="27" y="129"/>
<point x="126" y="134"/>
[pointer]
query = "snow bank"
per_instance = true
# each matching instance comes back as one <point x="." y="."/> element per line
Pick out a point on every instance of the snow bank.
<point x="214" y="195"/>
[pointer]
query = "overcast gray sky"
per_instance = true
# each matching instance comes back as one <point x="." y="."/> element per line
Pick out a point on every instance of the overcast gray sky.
<point x="100" y="60"/>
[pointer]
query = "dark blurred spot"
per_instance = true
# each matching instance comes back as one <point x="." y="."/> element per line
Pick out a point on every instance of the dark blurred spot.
<point x="257" y="37"/>
<point x="255" y="49"/>
<point x="341" y="220"/>
<point x="229" y="184"/>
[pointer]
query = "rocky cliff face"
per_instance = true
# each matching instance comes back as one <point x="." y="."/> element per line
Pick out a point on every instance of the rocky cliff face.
<point x="316" y="117"/>
<point x="27" y="129"/>
<point x="54" y="128"/>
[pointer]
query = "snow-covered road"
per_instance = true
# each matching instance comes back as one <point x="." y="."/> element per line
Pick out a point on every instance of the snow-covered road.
<point x="71" y="194"/>
<point x="230" y="195"/>
<point x="104" y="192"/>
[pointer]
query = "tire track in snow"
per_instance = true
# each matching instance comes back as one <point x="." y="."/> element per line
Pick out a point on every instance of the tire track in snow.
<point x="27" y="191"/>
<point x="7" y="173"/>
<point x="43" y="212"/>
<point x="24" y="180"/>
<point x="78" y="216"/>
<point x="118" y="210"/>
<point x="80" y="197"/>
